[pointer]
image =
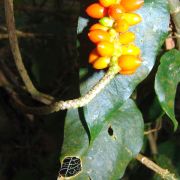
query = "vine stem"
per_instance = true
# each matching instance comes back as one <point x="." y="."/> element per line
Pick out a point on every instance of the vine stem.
<point x="10" y="21"/>
<point x="74" y="103"/>
<point x="55" y="106"/>
<point x="164" y="173"/>
<point x="175" y="13"/>
<point x="21" y="34"/>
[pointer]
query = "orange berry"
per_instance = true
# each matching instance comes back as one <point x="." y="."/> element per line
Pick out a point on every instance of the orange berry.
<point x="93" y="56"/>
<point x="115" y="11"/>
<point x="98" y="26"/>
<point x="126" y="38"/>
<point x="131" y="18"/>
<point x="128" y="63"/>
<point x="132" y="5"/>
<point x="131" y="49"/>
<point x="128" y="72"/>
<point x="107" y="3"/>
<point x="105" y="48"/>
<point x="121" y="25"/>
<point x="98" y="35"/>
<point x="96" y="10"/>
<point x="101" y="63"/>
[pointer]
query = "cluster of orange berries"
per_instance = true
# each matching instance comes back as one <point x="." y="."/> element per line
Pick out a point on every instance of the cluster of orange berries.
<point x="114" y="43"/>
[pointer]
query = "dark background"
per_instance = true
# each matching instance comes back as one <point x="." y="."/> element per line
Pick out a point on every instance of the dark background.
<point x="30" y="145"/>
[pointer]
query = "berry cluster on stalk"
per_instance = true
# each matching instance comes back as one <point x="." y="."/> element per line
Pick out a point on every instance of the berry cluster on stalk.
<point x="114" y="43"/>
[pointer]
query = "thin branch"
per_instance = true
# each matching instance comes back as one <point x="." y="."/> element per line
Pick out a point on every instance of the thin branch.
<point x="59" y="105"/>
<point x="3" y="80"/>
<point x="153" y="144"/>
<point x="3" y="28"/>
<point x="151" y="131"/>
<point x="9" y="11"/>
<point x="21" y="34"/>
<point x="74" y="103"/>
<point x="157" y="128"/>
<point x="164" y="173"/>
<point x="175" y="12"/>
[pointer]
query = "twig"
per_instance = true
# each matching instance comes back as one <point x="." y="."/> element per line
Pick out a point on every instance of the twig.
<point x="158" y="125"/>
<point x="3" y="80"/>
<point x="176" y="36"/>
<point x="157" y="128"/>
<point x="175" y="12"/>
<point x="3" y="28"/>
<point x="21" y="34"/>
<point x="59" y="105"/>
<point x="17" y="55"/>
<point x="74" y="103"/>
<point x="151" y="131"/>
<point x="164" y="173"/>
<point x="152" y="143"/>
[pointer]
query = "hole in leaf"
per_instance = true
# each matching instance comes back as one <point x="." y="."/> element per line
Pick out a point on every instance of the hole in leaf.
<point x="110" y="131"/>
<point x="71" y="166"/>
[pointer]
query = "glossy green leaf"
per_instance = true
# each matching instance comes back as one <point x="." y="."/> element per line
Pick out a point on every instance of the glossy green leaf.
<point x="167" y="79"/>
<point x="155" y="111"/>
<point x="108" y="155"/>
<point x="82" y="23"/>
<point x="150" y="34"/>
<point x="116" y="134"/>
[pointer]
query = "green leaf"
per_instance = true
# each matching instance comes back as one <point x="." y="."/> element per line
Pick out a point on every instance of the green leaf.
<point x="75" y="137"/>
<point x="116" y="126"/>
<point x="82" y="24"/>
<point x="108" y="155"/>
<point x="167" y="79"/>
<point x="150" y="35"/>
<point x="155" y="111"/>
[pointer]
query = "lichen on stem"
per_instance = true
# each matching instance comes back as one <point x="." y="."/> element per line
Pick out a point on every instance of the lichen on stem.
<point x="46" y="99"/>
<point x="164" y="173"/>
<point x="74" y="103"/>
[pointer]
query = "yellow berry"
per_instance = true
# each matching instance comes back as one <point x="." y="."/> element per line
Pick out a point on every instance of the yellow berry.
<point x="126" y="72"/>
<point x="131" y="18"/>
<point x="98" y="26"/>
<point x="121" y="25"/>
<point x="126" y="38"/>
<point x="105" y="48"/>
<point x="107" y="3"/>
<point x="132" y="5"/>
<point x="115" y="11"/>
<point x="98" y="35"/>
<point x="131" y="49"/>
<point x="128" y="63"/>
<point x="101" y="63"/>
<point x="96" y="10"/>
<point x="93" y="56"/>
